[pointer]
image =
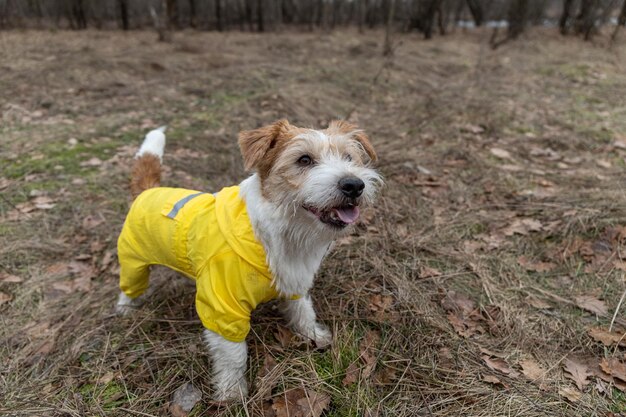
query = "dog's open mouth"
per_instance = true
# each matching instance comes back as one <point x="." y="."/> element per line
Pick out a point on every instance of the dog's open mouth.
<point x="339" y="217"/>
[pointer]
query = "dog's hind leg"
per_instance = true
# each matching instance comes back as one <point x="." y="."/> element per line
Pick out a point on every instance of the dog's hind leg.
<point x="229" y="367"/>
<point x="134" y="281"/>
<point x="300" y="316"/>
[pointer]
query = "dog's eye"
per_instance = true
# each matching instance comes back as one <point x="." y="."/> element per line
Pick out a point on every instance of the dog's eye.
<point x="347" y="157"/>
<point x="305" y="160"/>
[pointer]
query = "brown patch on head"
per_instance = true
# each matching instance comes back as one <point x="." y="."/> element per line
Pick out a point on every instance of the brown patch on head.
<point x="260" y="147"/>
<point x="343" y="127"/>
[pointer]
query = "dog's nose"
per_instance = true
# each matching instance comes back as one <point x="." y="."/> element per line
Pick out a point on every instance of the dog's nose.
<point x="351" y="187"/>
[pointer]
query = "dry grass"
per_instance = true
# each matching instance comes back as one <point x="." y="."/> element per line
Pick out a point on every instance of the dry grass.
<point x="439" y="106"/>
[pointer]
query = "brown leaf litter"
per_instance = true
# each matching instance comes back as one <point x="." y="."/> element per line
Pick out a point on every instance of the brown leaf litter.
<point x="577" y="372"/>
<point x="297" y="402"/>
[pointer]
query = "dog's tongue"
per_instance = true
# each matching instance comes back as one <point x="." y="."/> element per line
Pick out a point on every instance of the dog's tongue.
<point x="348" y="215"/>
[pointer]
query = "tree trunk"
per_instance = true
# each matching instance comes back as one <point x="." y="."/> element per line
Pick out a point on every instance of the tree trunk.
<point x="476" y="10"/>
<point x="249" y="19"/>
<point x="193" y="14"/>
<point x="78" y="11"/>
<point x="428" y="17"/>
<point x="586" y="19"/>
<point x="320" y="13"/>
<point x="621" y="21"/>
<point x="517" y="17"/>
<point x="359" y="13"/>
<point x="388" y="48"/>
<point x="172" y="14"/>
<point x="218" y="15"/>
<point x="441" y="23"/>
<point x="259" y="14"/>
<point x="123" y="4"/>
<point x="564" y="21"/>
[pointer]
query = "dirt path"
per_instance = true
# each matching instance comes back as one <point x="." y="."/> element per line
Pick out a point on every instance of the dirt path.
<point x="483" y="283"/>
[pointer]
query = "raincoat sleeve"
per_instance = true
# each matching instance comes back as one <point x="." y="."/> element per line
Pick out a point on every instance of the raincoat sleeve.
<point x="228" y="290"/>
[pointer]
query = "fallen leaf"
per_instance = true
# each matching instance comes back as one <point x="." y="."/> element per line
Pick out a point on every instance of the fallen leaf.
<point x="492" y="379"/>
<point x="96" y="246"/>
<point x="92" y="162"/>
<point x="4" y="298"/>
<point x="380" y="303"/>
<point x="592" y="304"/>
<point x="64" y="286"/>
<point x="59" y="268"/>
<point x="577" y="372"/>
<point x="501" y="153"/>
<point x="597" y="368"/>
<point x="619" y="264"/>
<point x="366" y="349"/>
<point x="284" y="336"/>
<point x="300" y="402"/>
<point x="532" y="370"/>
<point x="83" y="270"/>
<point x="571" y="394"/>
<point x="457" y="302"/>
<point x="614" y="367"/>
<point x="602" y="387"/>
<point x="352" y="374"/>
<point x="607" y="338"/>
<point x="490" y="352"/>
<point x="91" y="221"/>
<point x="464" y="326"/>
<point x="523" y="227"/>
<point x="428" y="272"/>
<point x="500" y="365"/>
<point x="106" y="260"/>
<point x="106" y="378"/>
<point x="603" y="163"/>
<point x="4" y="183"/>
<point x="538" y="303"/>
<point x="385" y="375"/>
<point x="470" y="128"/>
<point x="184" y="399"/>
<point x="539" y="266"/>
<point x="6" y="277"/>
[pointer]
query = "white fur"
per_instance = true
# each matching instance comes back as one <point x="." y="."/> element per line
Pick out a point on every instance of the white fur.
<point x="229" y="367"/>
<point x="294" y="253"/>
<point x="126" y="305"/>
<point x="300" y="317"/>
<point x="154" y="143"/>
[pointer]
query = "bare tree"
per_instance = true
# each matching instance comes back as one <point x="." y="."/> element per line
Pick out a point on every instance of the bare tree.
<point x="218" y="15"/>
<point x="476" y="10"/>
<point x="123" y="6"/>
<point x="517" y="17"/>
<point x="171" y="7"/>
<point x="621" y="21"/>
<point x="586" y="19"/>
<point x="388" y="48"/>
<point x="565" y="16"/>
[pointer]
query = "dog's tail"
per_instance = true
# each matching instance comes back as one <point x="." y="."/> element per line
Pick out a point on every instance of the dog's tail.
<point x="147" y="167"/>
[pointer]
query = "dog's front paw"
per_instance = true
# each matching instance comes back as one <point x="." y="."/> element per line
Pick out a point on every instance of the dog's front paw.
<point x="322" y="336"/>
<point x="231" y="393"/>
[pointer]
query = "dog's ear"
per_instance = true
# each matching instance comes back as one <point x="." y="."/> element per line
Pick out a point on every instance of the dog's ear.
<point x="255" y="144"/>
<point x="355" y="133"/>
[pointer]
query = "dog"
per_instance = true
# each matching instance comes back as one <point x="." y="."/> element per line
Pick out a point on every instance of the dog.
<point x="247" y="244"/>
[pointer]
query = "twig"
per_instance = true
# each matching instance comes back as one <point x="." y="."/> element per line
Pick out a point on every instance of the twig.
<point x="621" y="300"/>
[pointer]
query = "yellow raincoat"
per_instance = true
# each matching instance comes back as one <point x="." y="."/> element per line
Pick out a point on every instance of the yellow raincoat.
<point x="206" y="237"/>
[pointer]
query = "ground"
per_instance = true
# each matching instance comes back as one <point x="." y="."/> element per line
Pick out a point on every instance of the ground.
<point x="483" y="283"/>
